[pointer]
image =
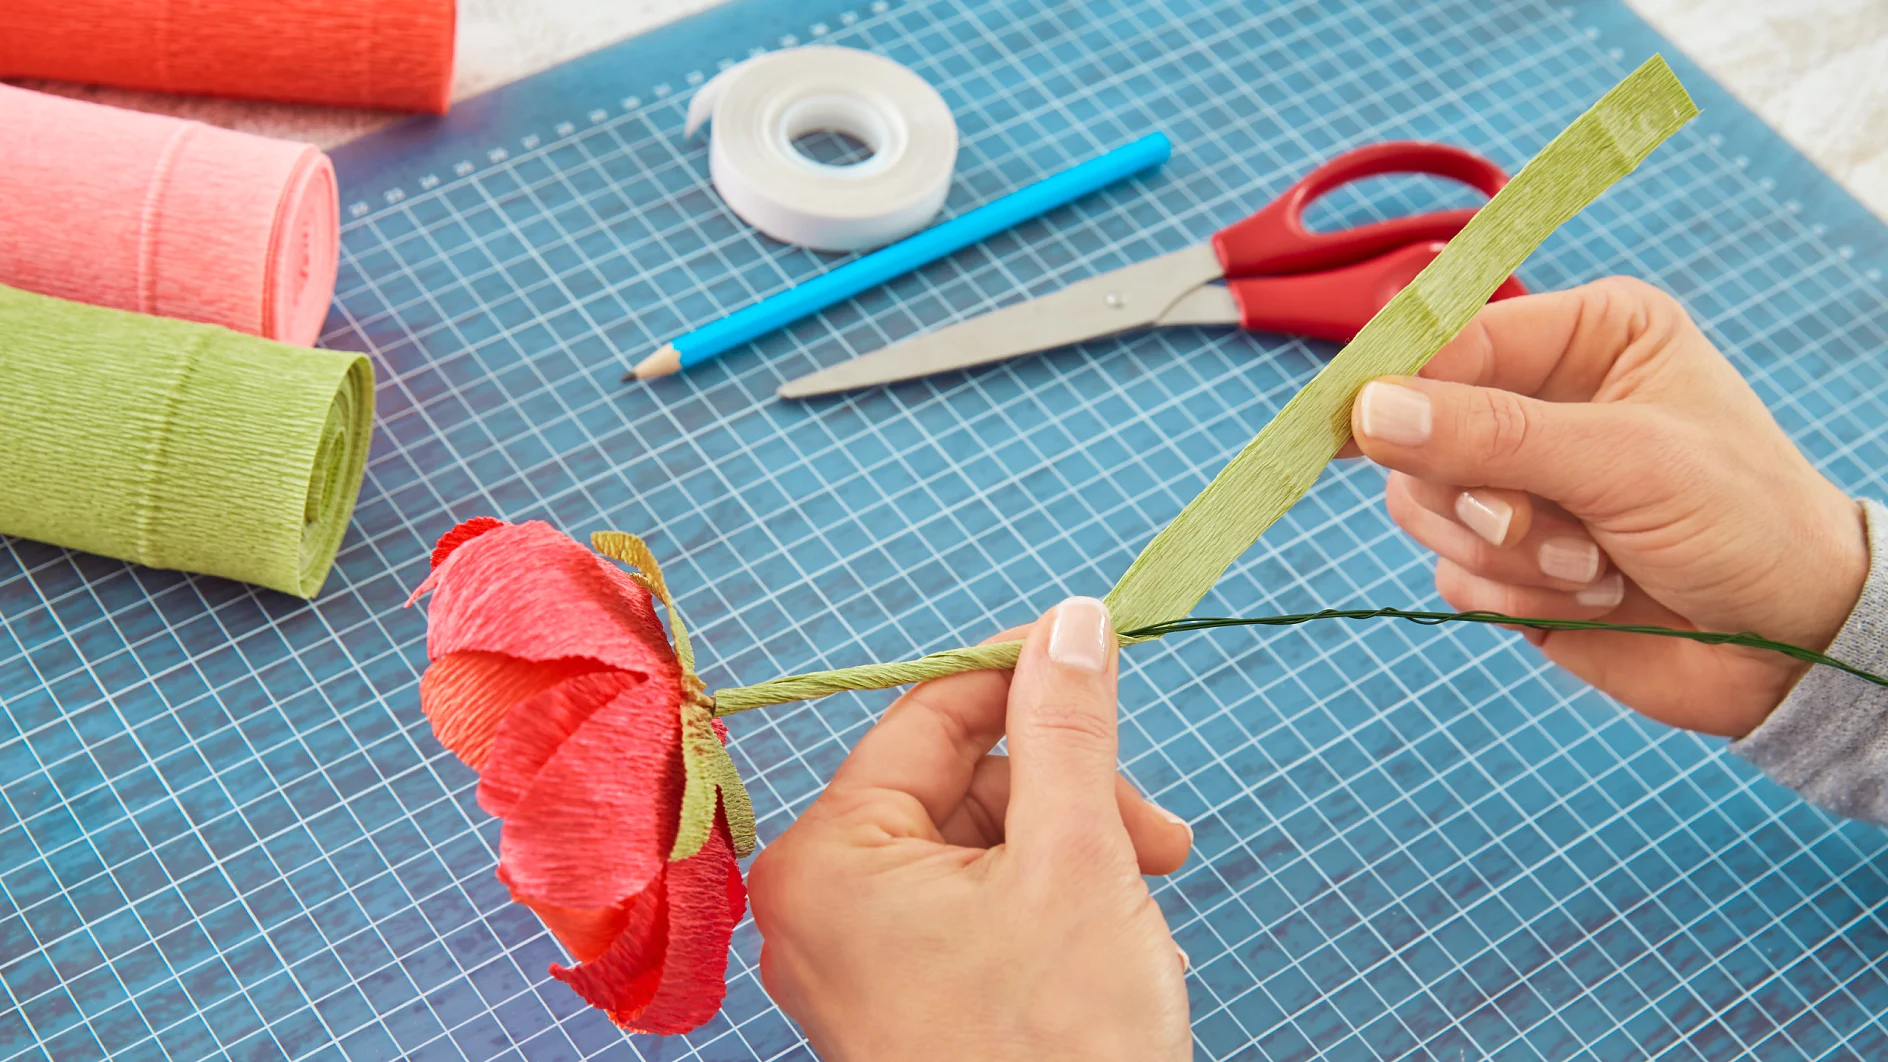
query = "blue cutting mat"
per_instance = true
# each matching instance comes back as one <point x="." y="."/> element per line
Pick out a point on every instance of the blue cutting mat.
<point x="227" y="832"/>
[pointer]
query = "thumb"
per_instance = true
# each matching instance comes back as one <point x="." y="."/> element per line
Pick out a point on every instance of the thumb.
<point x="1063" y="740"/>
<point x="1470" y="436"/>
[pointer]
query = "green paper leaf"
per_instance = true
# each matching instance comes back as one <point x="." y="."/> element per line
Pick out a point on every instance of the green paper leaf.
<point x="707" y="768"/>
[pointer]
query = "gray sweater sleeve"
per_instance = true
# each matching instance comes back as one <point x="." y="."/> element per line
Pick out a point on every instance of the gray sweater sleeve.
<point x="1828" y="740"/>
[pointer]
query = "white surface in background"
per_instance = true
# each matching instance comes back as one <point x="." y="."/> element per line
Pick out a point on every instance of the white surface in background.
<point x="1816" y="70"/>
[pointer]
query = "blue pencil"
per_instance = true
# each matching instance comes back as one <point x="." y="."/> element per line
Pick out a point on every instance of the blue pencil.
<point x="776" y="311"/>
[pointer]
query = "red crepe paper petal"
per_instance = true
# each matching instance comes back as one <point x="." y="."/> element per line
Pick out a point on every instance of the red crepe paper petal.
<point x="599" y="818"/>
<point x="466" y="695"/>
<point x="529" y="591"/>
<point x="704" y="899"/>
<point x="462" y="534"/>
<point x="443" y="550"/>
<point x="529" y="736"/>
<point x="587" y="932"/>
<point x="623" y="980"/>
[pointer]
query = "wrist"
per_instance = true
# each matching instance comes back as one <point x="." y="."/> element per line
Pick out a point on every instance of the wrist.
<point x="1840" y="568"/>
<point x="1831" y="580"/>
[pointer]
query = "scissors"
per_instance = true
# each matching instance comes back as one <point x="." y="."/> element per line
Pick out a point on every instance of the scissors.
<point x="1279" y="277"/>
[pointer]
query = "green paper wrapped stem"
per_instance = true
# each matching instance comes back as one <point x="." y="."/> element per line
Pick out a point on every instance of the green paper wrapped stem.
<point x="994" y="656"/>
<point x="178" y="445"/>
<point x="1175" y="570"/>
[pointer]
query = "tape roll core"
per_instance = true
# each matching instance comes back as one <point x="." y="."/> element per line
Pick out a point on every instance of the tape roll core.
<point x="760" y="107"/>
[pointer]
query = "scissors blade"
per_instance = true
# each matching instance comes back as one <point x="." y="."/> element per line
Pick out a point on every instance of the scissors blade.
<point x="1208" y="304"/>
<point x="1128" y="298"/>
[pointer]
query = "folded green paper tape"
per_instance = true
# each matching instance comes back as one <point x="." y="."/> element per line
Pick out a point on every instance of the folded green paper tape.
<point x="178" y="445"/>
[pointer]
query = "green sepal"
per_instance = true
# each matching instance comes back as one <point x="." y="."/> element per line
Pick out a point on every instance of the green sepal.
<point x="708" y="770"/>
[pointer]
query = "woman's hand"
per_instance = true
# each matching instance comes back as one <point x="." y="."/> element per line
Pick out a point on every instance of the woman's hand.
<point x="1588" y="454"/>
<point x="938" y="902"/>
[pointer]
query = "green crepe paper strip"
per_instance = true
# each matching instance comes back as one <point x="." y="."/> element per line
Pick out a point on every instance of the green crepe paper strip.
<point x="706" y="766"/>
<point x="1175" y="571"/>
<point x="178" y="445"/>
<point x="1283" y="461"/>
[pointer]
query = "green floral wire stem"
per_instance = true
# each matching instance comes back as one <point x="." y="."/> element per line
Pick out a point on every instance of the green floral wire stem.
<point x="999" y="655"/>
<point x="1742" y="638"/>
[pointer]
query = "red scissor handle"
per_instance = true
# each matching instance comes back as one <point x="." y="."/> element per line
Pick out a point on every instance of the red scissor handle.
<point x="1275" y="240"/>
<point x="1334" y="304"/>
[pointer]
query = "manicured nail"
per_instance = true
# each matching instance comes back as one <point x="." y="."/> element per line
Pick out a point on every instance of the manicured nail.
<point x="1396" y="415"/>
<point x="1577" y="560"/>
<point x="1484" y="514"/>
<point x="1606" y="593"/>
<point x="1176" y="820"/>
<point x="1081" y="637"/>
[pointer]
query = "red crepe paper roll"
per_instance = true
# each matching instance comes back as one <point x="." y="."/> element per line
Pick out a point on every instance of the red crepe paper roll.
<point x="163" y="216"/>
<point x="389" y="54"/>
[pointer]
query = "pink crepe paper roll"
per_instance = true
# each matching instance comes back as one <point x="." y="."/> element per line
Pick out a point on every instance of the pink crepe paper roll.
<point x="164" y="216"/>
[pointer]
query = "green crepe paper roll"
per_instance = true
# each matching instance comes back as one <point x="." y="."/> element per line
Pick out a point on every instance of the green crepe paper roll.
<point x="178" y="445"/>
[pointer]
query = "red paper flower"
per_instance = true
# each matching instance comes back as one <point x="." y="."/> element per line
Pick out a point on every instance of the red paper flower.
<point x="551" y="676"/>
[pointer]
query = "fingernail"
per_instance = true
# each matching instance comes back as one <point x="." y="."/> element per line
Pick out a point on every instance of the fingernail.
<point x="1577" y="560"/>
<point x="1184" y="961"/>
<point x="1534" y="638"/>
<point x="1484" y="514"/>
<point x="1396" y="415"/>
<point x="1081" y="638"/>
<point x="1606" y="593"/>
<point x="1177" y="821"/>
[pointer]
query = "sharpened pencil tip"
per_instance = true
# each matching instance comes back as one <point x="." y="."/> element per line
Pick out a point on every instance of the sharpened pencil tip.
<point x="661" y="363"/>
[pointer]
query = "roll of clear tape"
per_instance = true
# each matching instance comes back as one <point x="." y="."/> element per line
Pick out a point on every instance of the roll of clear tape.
<point x="760" y="107"/>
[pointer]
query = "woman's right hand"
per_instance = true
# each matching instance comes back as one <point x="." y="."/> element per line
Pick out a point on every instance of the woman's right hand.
<point x="1589" y="454"/>
<point x="938" y="902"/>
